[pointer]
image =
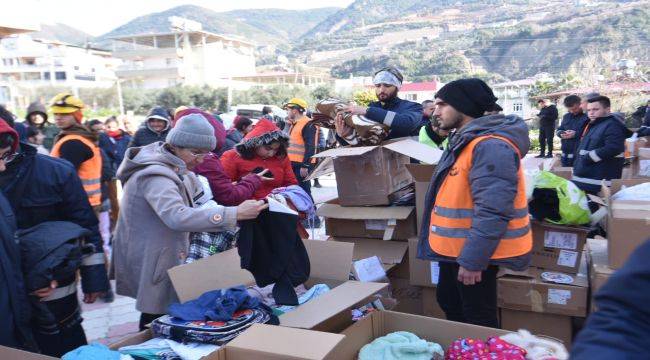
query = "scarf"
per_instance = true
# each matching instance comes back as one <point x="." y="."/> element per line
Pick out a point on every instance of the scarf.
<point x="117" y="134"/>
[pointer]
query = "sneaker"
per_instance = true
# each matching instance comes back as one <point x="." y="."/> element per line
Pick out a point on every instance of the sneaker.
<point x="109" y="297"/>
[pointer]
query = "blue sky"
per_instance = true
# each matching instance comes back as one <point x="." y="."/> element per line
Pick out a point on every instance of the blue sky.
<point x="100" y="16"/>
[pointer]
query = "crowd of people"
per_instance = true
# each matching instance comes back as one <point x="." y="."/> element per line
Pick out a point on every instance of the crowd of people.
<point x="65" y="173"/>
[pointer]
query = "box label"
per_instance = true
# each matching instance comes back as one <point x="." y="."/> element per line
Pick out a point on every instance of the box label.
<point x="435" y="272"/>
<point x="644" y="167"/>
<point x="567" y="258"/>
<point x="560" y="240"/>
<point x="559" y="296"/>
<point x="379" y="225"/>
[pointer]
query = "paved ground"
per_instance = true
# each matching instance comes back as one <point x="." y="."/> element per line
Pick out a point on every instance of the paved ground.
<point x="109" y="323"/>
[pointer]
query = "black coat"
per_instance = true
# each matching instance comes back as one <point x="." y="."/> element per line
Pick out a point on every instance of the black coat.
<point x="272" y="251"/>
<point x="145" y="136"/>
<point x="576" y="123"/>
<point x="14" y="324"/>
<point x="548" y="116"/>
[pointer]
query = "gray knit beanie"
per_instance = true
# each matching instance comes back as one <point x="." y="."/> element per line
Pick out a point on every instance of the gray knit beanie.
<point x="192" y="131"/>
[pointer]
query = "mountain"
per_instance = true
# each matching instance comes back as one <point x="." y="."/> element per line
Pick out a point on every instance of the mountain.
<point x="63" y="33"/>
<point x="262" y="26"/>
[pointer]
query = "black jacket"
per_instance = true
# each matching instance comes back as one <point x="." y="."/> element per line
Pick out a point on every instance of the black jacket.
<point x="145" y="136"/>
<point x="272" y="251"/>
<point x="14" y="327"/>
<point x="42" y="188"/>
<point x="576" y="123"/>
<point x="548" y="116"/>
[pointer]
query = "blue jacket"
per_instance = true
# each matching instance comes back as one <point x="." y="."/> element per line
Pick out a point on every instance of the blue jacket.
<point x="115" y="149"/>
<point x="52" y="191"/>
<point x="621" y="327"/>
<point x="14" y="324"/>
<point x="493" y="182"/>
<point x="576" y="123"/>
<point x="402" y="116"/>
<point x="600" y="154"/>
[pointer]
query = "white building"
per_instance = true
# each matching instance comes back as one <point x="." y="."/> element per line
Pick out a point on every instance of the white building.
<point x="514" y="99"/>
<point x="27" y="63"/>
<point x="420" y="91"/>
<point x="186" y="55"/>
<point x="352" y="84"/>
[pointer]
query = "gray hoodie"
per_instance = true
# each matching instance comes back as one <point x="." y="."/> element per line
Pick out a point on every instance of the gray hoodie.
<point x="156" y="216"/>
<point x="493" y="181"/>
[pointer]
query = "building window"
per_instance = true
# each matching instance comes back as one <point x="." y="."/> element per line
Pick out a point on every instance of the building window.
<point x="517" y="107"/>
<point x="76" y="67"/>
<point x="169" y="61"/>
<point x="60" y="75"/>
<point x="46" y="76"/>
<point x="412" y="97"/>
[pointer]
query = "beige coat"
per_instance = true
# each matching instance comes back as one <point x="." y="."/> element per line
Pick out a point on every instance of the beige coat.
<point x="156" y="217"/>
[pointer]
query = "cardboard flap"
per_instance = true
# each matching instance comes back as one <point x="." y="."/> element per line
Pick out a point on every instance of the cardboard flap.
<point x="345" y="151"/>
<point x="289" y="342"/>
<point x="330" y="304"/>
<point x="325" y="167"/>
<point x="330" y="259"/>
<point x="421" y="172"/>
<point x="336" y="211"/>
<point x="416" y="150"/>
<point x="7" y="353"/>
<point x="219" y="271"/>
<point x="389" y="252"/>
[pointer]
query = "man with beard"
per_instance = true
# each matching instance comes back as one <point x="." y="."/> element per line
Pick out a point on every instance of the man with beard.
<point x="476" y="213"/>
<point x="403" y="117"/>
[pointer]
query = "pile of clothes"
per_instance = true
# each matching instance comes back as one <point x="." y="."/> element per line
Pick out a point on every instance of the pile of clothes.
<point x="216" y="317"/>
<point x="265" y="295"/>
<point x="366" y="132"/>
<point x="401" y="345"/>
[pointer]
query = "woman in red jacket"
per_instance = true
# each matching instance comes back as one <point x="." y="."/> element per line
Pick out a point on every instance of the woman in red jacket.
<point x="265" y="147"/>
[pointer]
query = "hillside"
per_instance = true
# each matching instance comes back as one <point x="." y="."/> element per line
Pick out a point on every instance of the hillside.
<point x="262" y="26"/>
<point x="63" y="33"/>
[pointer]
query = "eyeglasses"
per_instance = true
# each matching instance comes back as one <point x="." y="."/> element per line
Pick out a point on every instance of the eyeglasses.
<point x="203" y="155"/>
<point x="8" y="157"/>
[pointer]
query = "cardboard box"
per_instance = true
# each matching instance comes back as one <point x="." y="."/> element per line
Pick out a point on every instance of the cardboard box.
<point x="557" y="247"/>
<point x="422" y="174"/>
<point x="531" y="290"/>
<point x="555" y="326"/>
<point x="382" y="323"/>
<point x="599" y="270"/>
<point x="371" y="175"/>
<point x="7" y="353"/>
<point x="330" y="264"/>
<point x="628" y="222"/>
<point x="563" y="172"/>
<point x="431" y="308"/>
<point x="422" y="272"/>
<point x="387" y="223"/>
<point x="262" y="341"/>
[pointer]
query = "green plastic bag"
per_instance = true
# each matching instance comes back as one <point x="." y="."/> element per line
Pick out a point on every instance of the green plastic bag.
<point x="574" y="208"/>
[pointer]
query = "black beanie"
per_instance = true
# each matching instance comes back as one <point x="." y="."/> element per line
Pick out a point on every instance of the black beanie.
<point x="473" y="97"/>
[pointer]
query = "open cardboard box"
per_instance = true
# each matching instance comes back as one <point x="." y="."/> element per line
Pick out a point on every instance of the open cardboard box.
<point x="330" y="264"/>
<point x="372" y="175"/>
<point x="628" y="222"/>
<point x="262" y="341"/>
<point x="599" y="270"/>
<point x="559" y="327"/>
<point x="565" y="172"/>
<point x="385" y="222"/>
<point x="422" y="272"/>
<point x="531" y="291"/>
<point x="381" y="323"/>
<point x="557" y="247"/>
<point x="422" y="174"/>
<point x="7" y="353"/>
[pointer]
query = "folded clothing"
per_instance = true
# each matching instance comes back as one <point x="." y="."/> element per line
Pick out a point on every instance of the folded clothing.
<point x="401" y="345"/>
<point x="265" y="295"/>
<point x="215" y="305"/>
<point x="161" y="348"/>
<point x="537" y="348"/>
<point x="93" y="351"/>
<point x="493" y="348"/>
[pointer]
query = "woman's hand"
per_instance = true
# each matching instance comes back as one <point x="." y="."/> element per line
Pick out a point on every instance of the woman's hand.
<point x="250" y="209"/>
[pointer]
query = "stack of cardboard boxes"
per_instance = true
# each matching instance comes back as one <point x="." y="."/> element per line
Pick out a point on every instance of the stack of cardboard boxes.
<point x="369" y="180"/>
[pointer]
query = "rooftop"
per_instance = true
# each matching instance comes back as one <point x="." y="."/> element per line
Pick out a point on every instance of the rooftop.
<point x="420" y="86"/>
<point x="196" y="37"/>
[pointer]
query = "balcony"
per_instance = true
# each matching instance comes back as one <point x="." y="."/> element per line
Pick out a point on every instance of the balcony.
<point x="132" y="72"/>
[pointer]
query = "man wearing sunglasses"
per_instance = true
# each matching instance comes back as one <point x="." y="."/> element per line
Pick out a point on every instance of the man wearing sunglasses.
<point x="403" y="117"/>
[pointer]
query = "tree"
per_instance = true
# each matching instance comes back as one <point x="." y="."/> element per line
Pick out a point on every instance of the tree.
<point x="364" y="97"/>
<point x="322" y="92"/>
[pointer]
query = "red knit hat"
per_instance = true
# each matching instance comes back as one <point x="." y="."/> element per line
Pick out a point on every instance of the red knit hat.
<point x="4" y="129"/>
<point x="264" y="133"/>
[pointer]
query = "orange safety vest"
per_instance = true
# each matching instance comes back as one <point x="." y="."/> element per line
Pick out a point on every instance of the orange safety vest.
<point x="451" y="218"/>
<point x="296" y="150"/>
<point x="90" y="171"/>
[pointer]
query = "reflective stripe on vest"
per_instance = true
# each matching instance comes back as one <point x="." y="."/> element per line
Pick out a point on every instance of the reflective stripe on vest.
<point x="296" y="149"/>
<point x="453" y="211"/>
<point x="90" y="171"/>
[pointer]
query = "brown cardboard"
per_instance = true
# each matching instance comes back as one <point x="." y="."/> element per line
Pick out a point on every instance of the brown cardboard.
<point x="381" y="323"/>
<point x="628" y="223"/>
<point x="422" y="174"/>
<point x="563" y="172"/>
<point x="528" y="291"/>
<point x="370" y="175"/>
<point x="7" y="353"/>
<point x="387" y="223"/>
<point x="409" y="297"/>
<point x="330" y="263"/>
<point x="430" y="306"/>
<point x="554" y="326"/>
<point x="421" y="271"/>
<point x="564" y="255"/>
<point x="599" y="270"/>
